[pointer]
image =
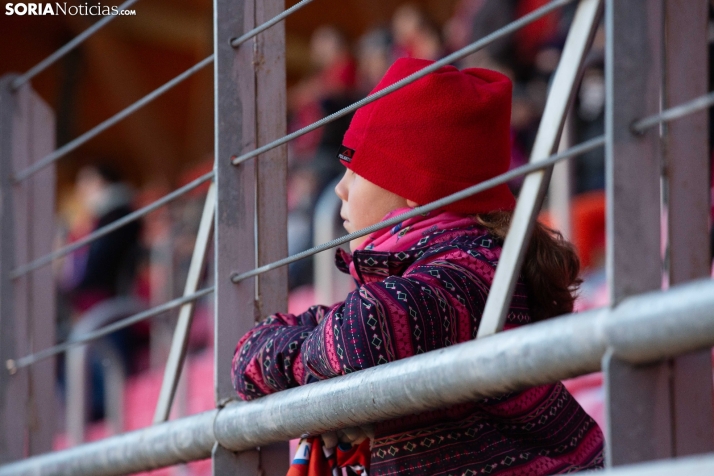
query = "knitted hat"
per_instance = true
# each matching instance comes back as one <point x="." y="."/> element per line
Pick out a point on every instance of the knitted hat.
<point x="438" y="135"/>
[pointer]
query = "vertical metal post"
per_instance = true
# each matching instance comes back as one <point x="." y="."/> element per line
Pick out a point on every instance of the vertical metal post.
<point x="13" y="325"/>
<point x="271" y="205"/>
<point x="535" y="185"/>
<point x="41" y="298"/>
<point x="637" y="397"/>
<point x="251" y="198"/>
<point x="235" y="309"/>
<point x="27" y="304"/>
<point x="271" y="119"/>
<point x="686" y="159"/>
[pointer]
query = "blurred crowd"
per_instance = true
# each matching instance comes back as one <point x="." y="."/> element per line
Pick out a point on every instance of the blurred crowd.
<point x="147" y="261"/>
<point x="345" y="71"/>
<point x="139" y="265"/>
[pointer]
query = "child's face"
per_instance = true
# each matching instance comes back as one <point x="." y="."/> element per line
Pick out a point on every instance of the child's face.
<point x="364" y="203"/>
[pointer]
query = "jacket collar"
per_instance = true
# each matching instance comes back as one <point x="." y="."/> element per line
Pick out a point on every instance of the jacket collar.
<point x="391" y="251"/>
<point x="370" y="266"/>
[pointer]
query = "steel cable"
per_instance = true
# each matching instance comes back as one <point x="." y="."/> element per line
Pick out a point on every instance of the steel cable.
<point x="72" y="44"/>
<point x="465" y="51"/>
<point x="90" y="134"/>
<point x="675" y="112"/>
<point x="235" y="42"/>
<point x="13" y="365"/>
<point x="65" y="250"/>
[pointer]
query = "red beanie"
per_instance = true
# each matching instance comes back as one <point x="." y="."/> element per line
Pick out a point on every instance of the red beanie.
<point x="438" y="135"/>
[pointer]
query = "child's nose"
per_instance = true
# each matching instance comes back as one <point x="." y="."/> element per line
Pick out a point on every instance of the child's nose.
<point x="341" y="188"/>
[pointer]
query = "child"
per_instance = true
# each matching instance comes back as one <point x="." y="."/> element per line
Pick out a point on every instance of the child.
<point x="422" y="285"/>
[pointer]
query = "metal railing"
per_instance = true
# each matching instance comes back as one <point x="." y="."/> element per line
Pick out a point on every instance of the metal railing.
<point x="75" y="42"/>
<point x="13" y="365"/>
<point x="643" y="329"/>
<point x="250" y="275"/>
<point x="124" y="113"/>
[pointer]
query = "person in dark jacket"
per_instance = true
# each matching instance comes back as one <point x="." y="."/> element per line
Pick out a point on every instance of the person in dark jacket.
<point x="422" y="285"/>
<point x="106" y="267"/>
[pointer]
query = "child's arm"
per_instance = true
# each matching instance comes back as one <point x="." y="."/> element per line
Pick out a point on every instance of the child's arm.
<point x="267" y="358"/>
<point x="380" y="322"/>
<point x="433" y="306"/>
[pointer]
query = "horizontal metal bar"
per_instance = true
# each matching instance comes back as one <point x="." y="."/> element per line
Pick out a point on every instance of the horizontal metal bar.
<point x="13" y="365"/>
<point x="90" y="134"/>
<point x="689" y="107"/>
<point x="179" y="441"/>
<point x="642" y="329"/>
<point x="455" y="197"/>
<point x="465" y="51"/>
<point x="105" y="230"/>
<point x="702" y="465"/>
<point x="235" y="42"/>
<point x="72" y="44"/>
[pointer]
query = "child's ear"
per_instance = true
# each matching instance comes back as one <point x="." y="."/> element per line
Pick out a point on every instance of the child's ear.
<point x="412" y="203"/>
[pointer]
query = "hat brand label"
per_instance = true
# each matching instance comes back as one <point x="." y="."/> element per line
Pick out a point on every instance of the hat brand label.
<point x="345" y="154"/>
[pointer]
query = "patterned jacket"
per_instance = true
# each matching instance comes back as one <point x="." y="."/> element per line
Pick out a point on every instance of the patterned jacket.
<point x="423" y="286"/>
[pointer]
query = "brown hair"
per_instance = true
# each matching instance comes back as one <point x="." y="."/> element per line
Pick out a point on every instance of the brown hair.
<point x="550" y="269"/>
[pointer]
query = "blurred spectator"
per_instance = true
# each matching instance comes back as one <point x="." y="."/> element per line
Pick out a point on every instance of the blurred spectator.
<point x="515" y="55"/>
<point x="528" y="57"/>
<point x="312" y="157"/>
<point x="327" y="90"/>
<point x="589" y="123"/>
<point x="106" y="267"/>
<point x="373" y="59"/>
<point x="474" y="19"/>
<point x="415" y="35"/>
<point x="458" y="28"/>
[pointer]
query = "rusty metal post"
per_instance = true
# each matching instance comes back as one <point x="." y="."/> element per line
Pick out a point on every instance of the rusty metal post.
<point x="251" y="200"/>
<point x="638" y="400"/>
<point x="42" y="398"/>
<point x="686" y="159"/>
<point x="27" y="304"/>
<point x="271" y="193"/>
<point x="13" y="318"/>
<point x="235" y="310"/>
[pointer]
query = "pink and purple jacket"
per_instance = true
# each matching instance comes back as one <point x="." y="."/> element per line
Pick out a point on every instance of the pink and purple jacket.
<point x="422" y="286"/>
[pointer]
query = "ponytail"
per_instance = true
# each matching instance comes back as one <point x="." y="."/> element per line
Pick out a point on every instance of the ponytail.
<point x="550" y="269"/>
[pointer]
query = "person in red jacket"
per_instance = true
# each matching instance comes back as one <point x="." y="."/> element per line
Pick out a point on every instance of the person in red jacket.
<point x="422" y="285"/>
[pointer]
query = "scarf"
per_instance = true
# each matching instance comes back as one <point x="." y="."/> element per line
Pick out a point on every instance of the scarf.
<point x="407" y="234"/>
<point x="313" y="458"/>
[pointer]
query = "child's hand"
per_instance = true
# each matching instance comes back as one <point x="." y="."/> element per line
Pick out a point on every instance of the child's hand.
<point x="354" y="436"/>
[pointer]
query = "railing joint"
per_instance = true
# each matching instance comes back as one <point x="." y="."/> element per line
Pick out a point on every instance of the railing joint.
<point x="636" y="129"/>
<point x="222" y="403"/>
<point x="11" y="366"/>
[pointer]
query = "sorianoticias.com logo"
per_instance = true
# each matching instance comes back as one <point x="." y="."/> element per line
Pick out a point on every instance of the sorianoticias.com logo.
<point x="58" y="8"/>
